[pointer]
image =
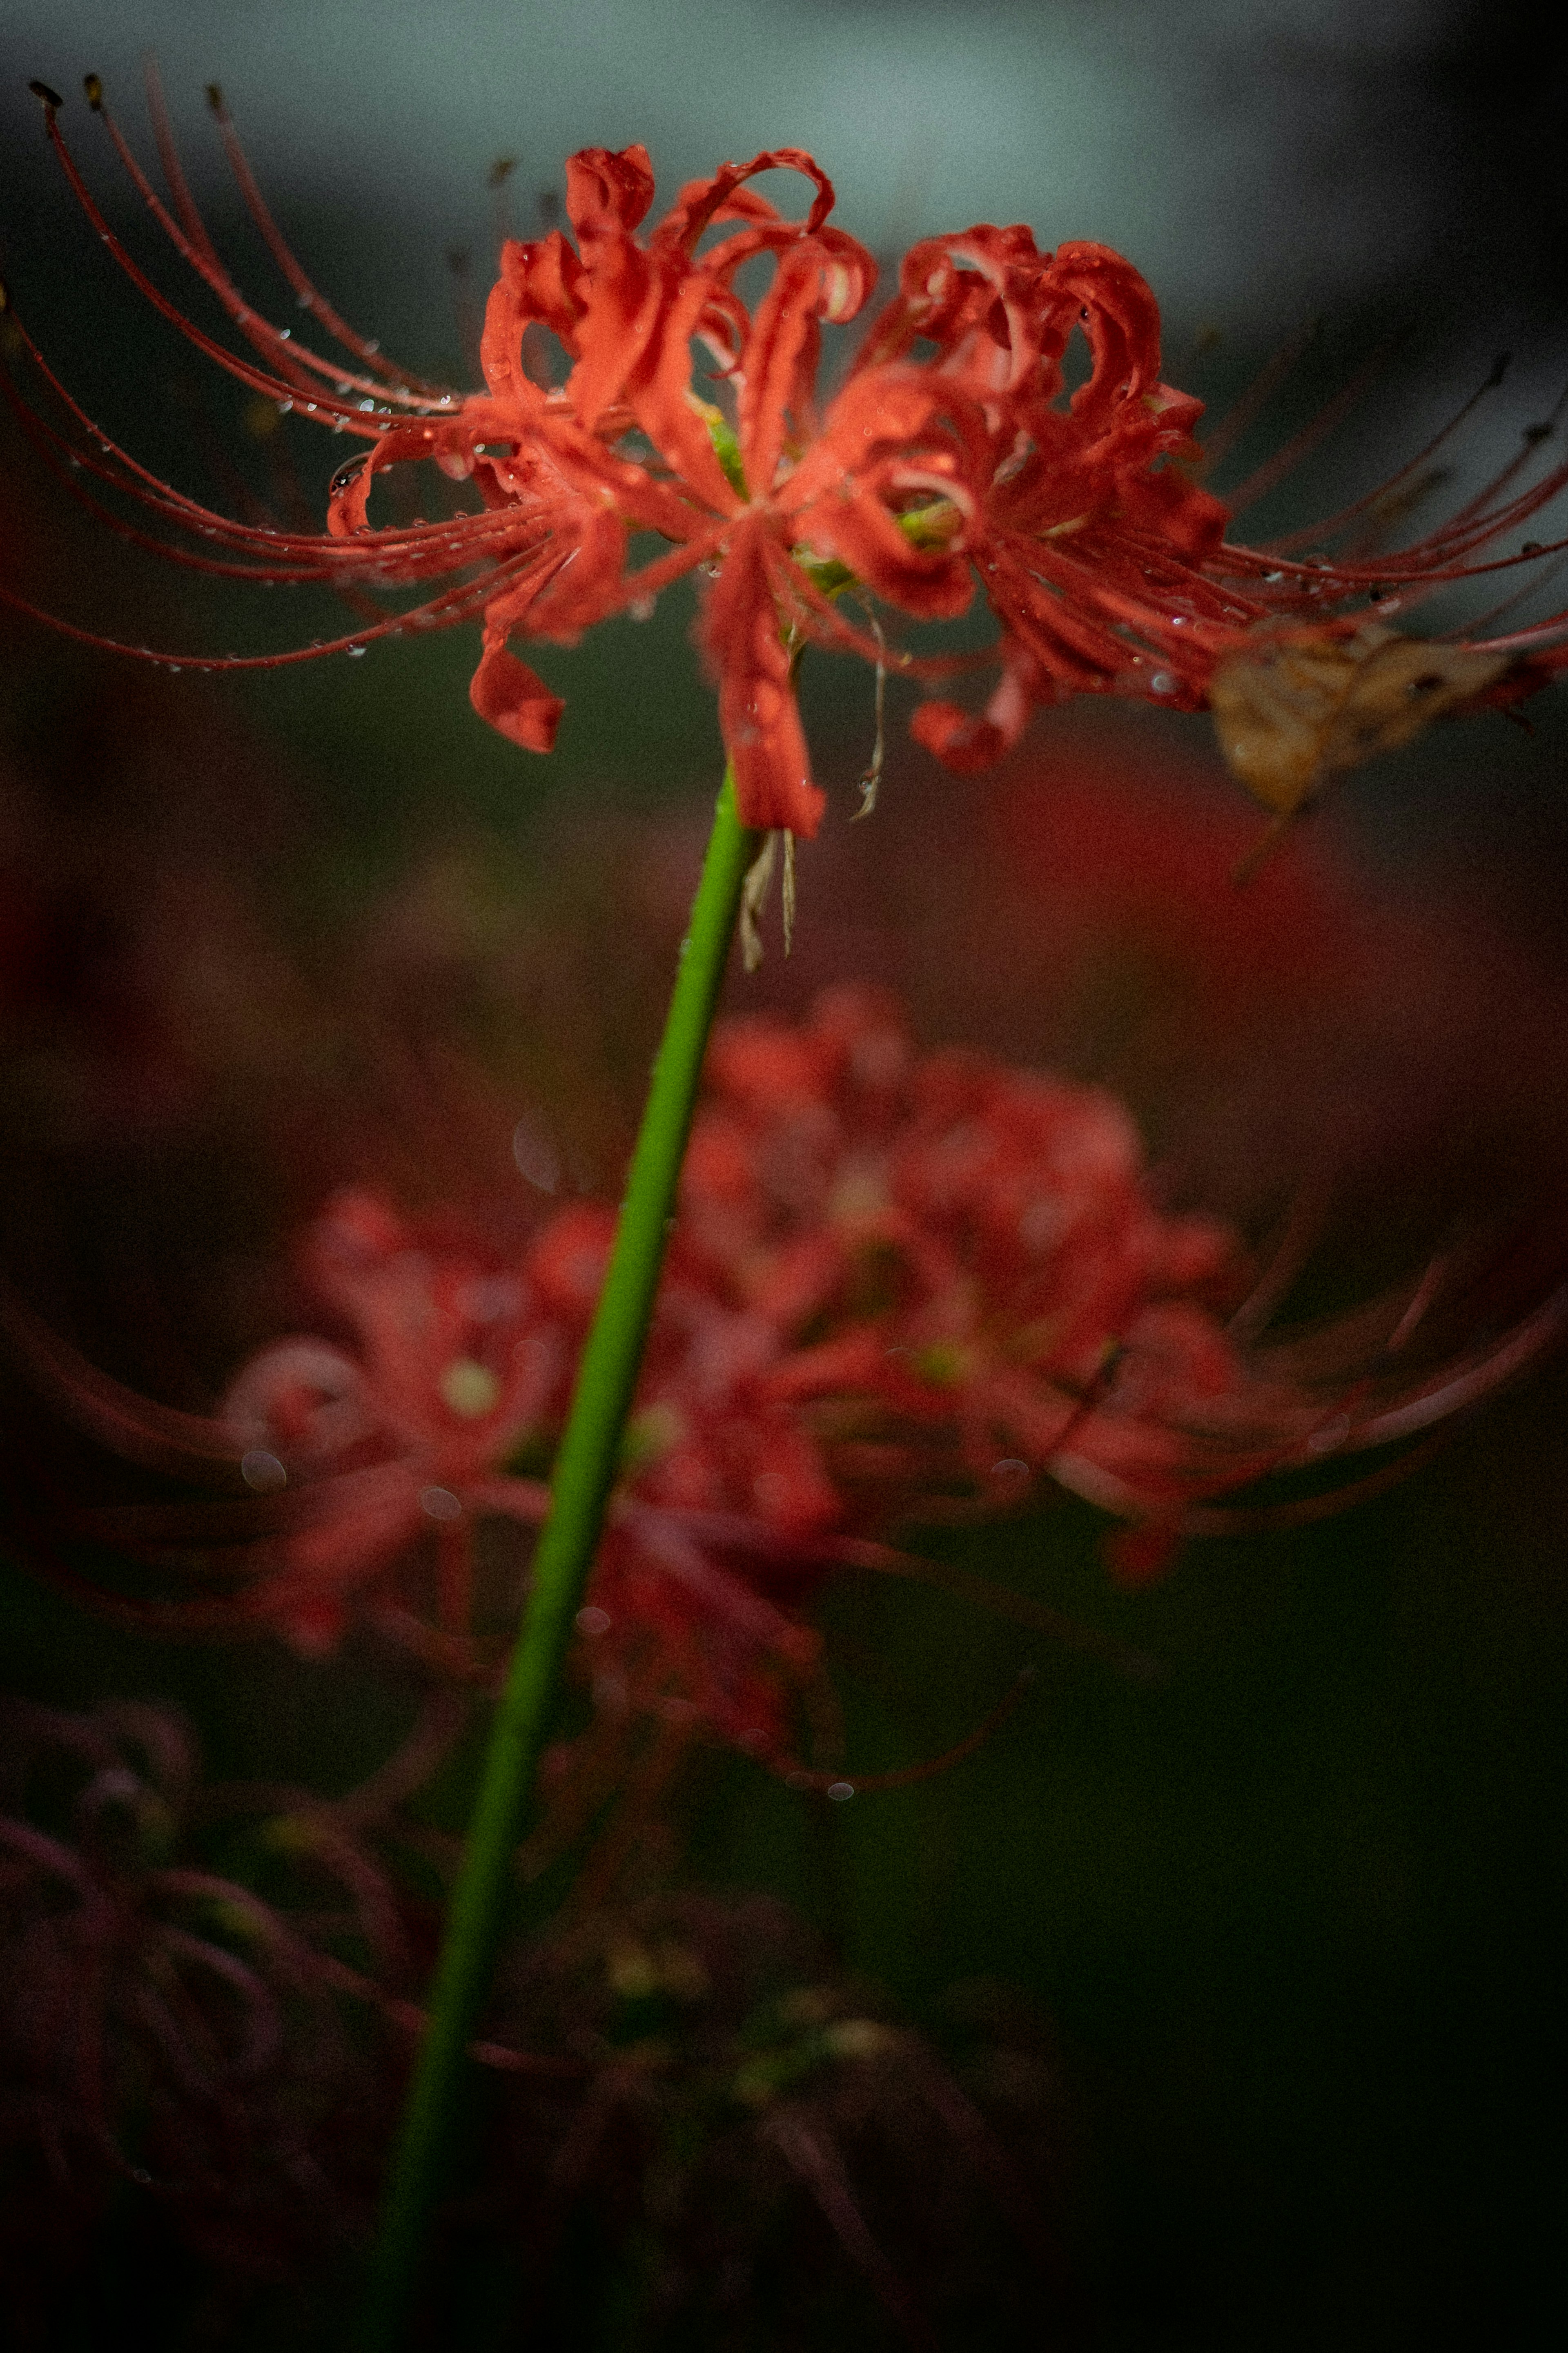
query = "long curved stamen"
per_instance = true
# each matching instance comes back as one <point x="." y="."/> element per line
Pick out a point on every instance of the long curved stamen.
<point x="1332" y="525"/>
<point x="1284" y="461"/>
<point x="1275" y="371"/>
<point x="272" y="385"/>
<point x="402" y="383"/>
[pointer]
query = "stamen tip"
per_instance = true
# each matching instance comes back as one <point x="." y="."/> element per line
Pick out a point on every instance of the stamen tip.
<point x="92" y="90"/>
<point x="49" y="99"/>
<point x="1500" y="366"/>
<point x="215" y="100"/>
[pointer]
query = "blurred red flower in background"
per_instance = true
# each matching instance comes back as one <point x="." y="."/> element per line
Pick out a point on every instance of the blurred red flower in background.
<point x="164" y="2031"/>
<point x="901" y="1288"/>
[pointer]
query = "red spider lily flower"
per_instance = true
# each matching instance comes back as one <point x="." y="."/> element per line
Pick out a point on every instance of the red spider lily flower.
<point x="161" y="2026"/>
<point x="971" y="1286"/>
<point x="1109" y="575"/>
<point x="736" y="2093"/>
<point x="563" y="489"/>
<point x="376" y="1471"/>
<point x="952" y="457"/>
<point x="405" y="1435"/>
<point x="901" y="1288"/>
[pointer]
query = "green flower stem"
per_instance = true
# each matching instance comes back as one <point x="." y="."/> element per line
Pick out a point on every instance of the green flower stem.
<point x="584" y="1472"/>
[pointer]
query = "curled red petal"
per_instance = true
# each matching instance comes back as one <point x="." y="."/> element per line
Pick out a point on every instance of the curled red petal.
<point x="866" y="538"/>
<point x="624" y="295"/>
<point x="1122" y="328"/>
<point x="608" y="189"/>
<point x="578" y="592"/>
<point x="512" y="699"/>
<point x="961" y="739"/>
<point x="967" y="741"/>
<point x="982" y="299"/>
<point x="740" y="638"/>
<point x="542" y="282"/>
<point x="660" y="395"/>
<point x="725" y="197"/>
<point x="826" y="277"/>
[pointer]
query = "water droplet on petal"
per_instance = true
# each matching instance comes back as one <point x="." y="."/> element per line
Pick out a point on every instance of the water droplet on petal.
<point x="439" y="1504"/>
<point x="262" y="1471"/>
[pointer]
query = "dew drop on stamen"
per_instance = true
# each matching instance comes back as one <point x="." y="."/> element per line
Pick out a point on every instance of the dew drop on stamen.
<point x="840" y="1791"/>
<point x="439" y="1504"/>
<point x="262" y="1471"/>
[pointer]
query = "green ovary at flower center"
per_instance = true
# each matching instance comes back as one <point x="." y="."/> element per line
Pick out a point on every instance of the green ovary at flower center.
<point x="726" y="448"/>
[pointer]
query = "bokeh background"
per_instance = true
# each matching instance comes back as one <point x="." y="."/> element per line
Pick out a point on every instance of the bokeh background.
<point x="1294" y="1907"/>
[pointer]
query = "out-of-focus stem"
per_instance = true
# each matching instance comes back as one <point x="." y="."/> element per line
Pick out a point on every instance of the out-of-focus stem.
<point x="585" y="1472"/>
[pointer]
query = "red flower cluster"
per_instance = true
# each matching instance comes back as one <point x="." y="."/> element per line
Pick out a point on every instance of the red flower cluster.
<point x="970" y="1281"/>
<point x="901" y="1288"/>
<point x="951" y="455"/>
